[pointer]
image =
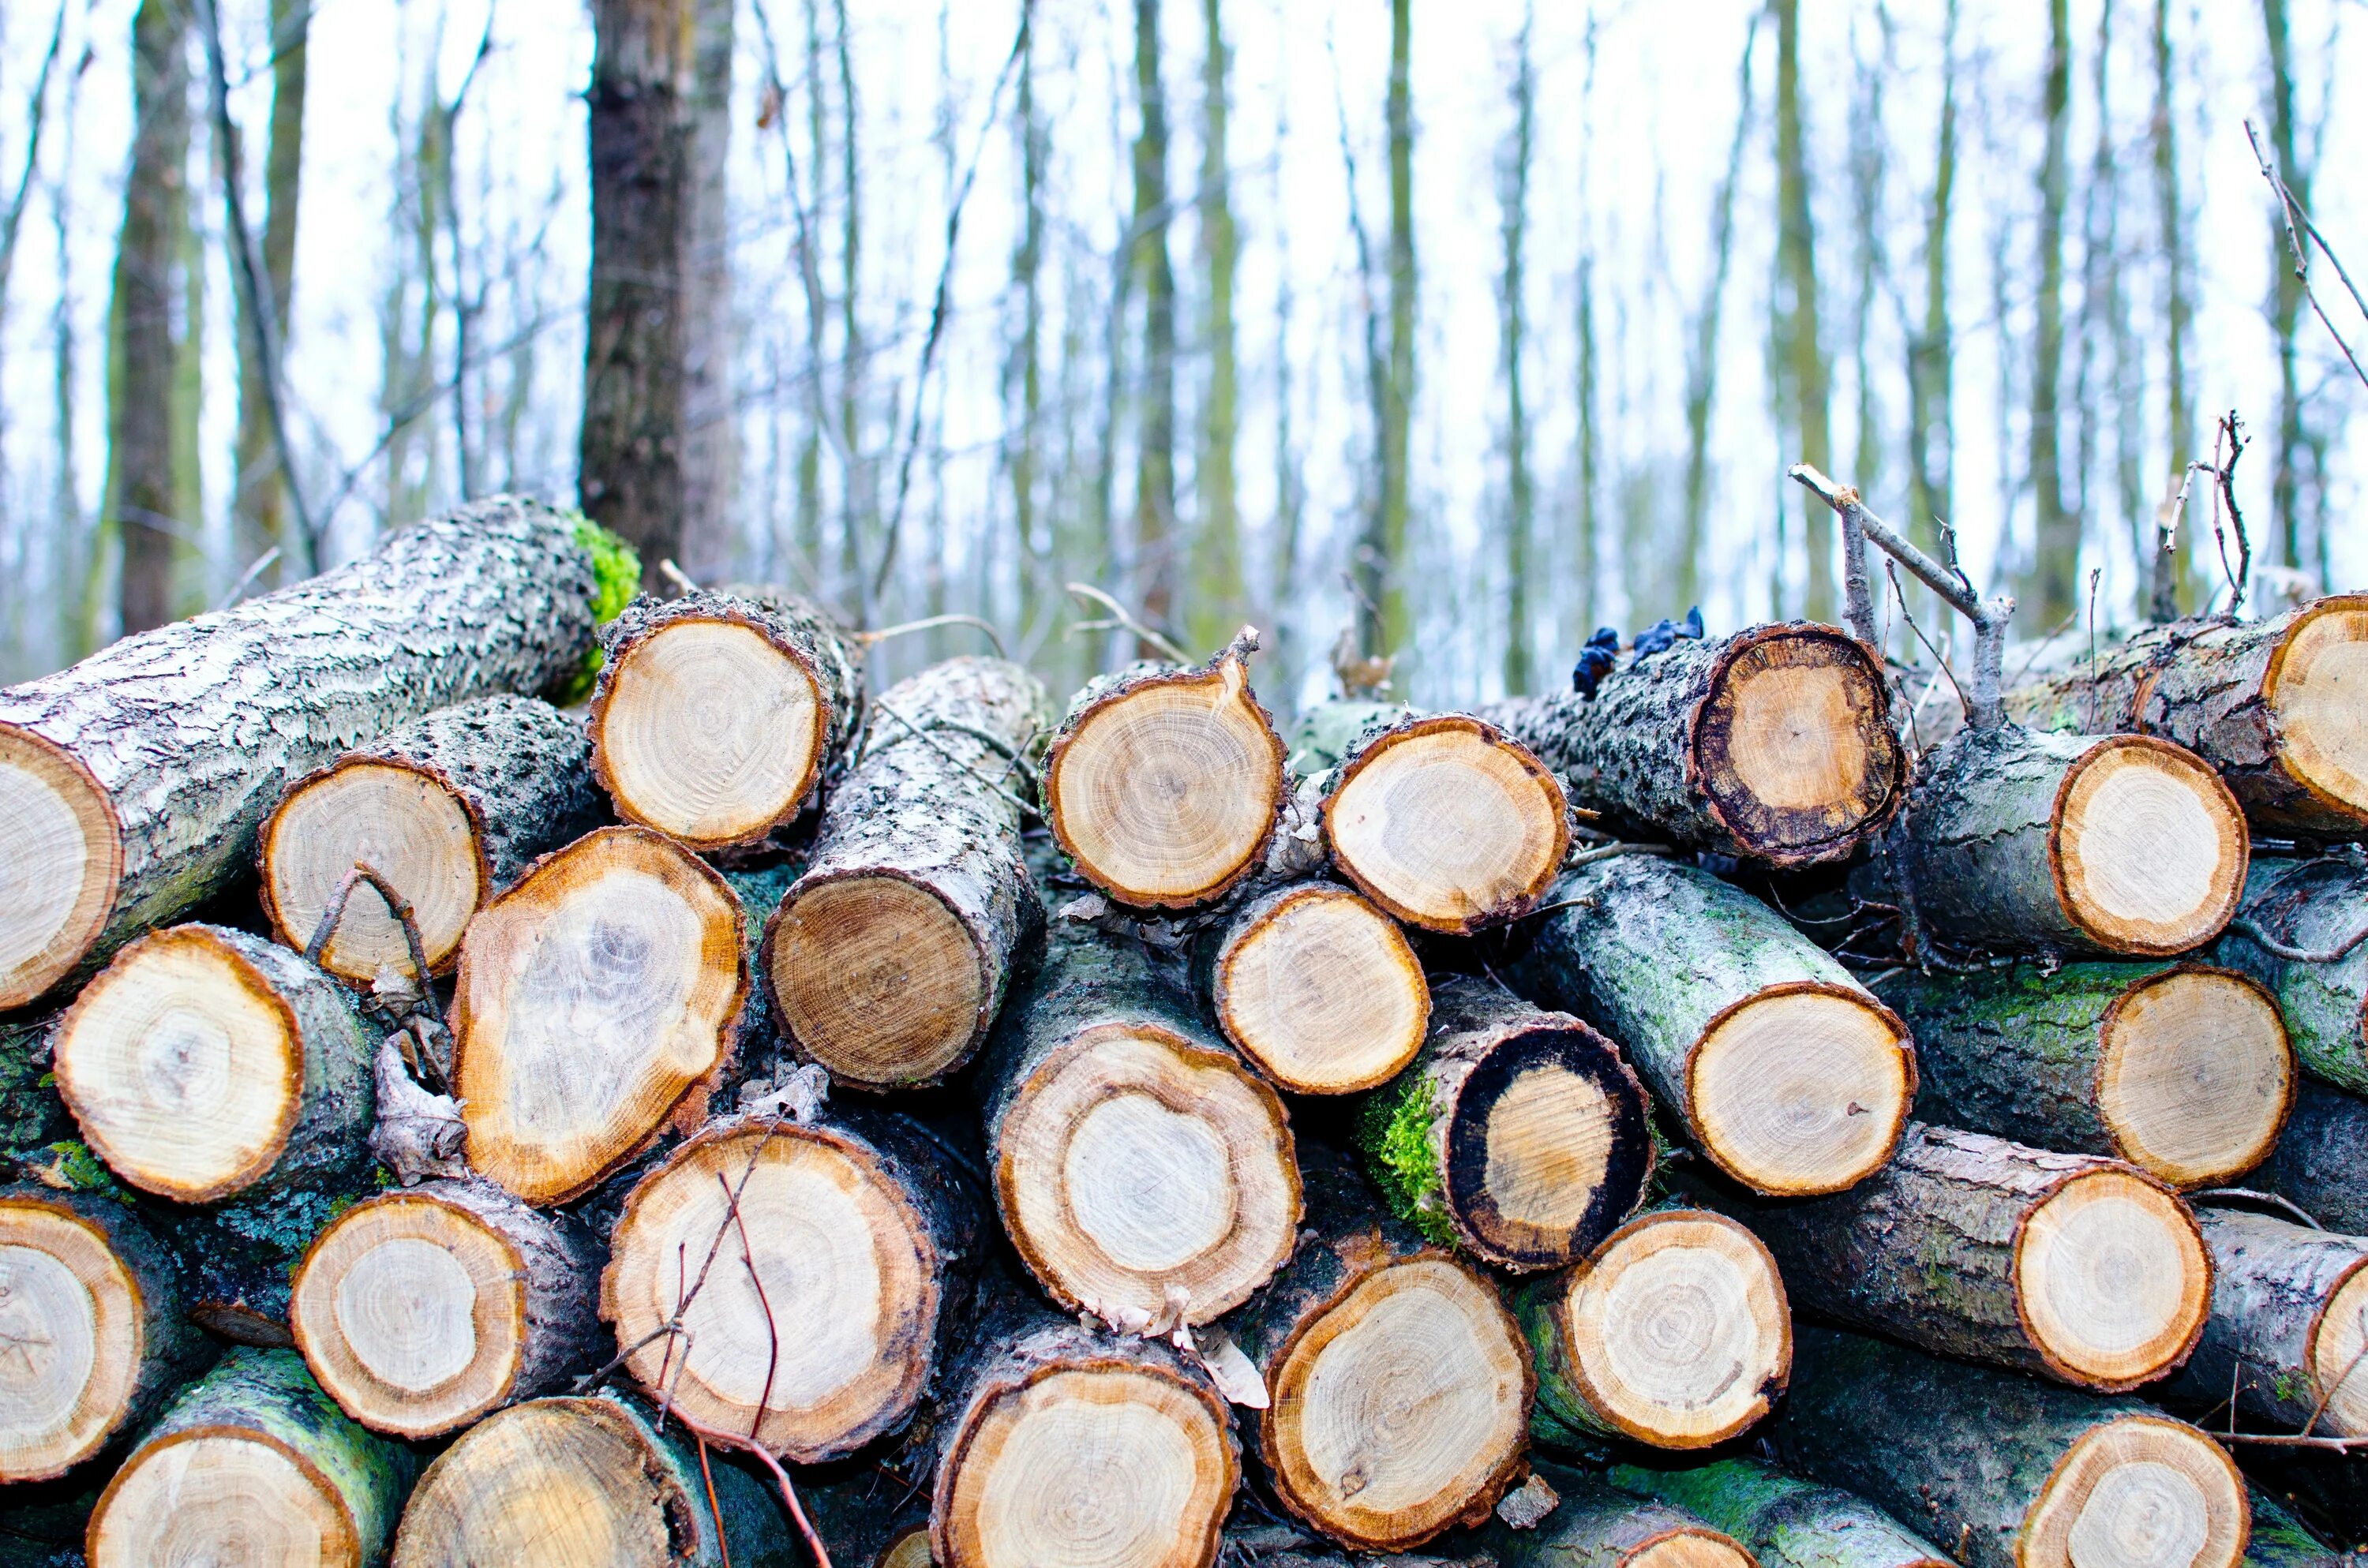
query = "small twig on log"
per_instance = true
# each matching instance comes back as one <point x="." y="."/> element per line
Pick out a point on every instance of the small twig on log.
<point x="780" y="1478"/>
<point x="921" y="734"/>
<point x="2251" y="1195"/>
<point x="396" y="905"/>
<point x="713" y="1511"/>
<point x="677" y="575"/>
<point x="772" y="1327"/>
<point x="2166" y="551"/>
<point x="1123" y="619"/>
<point x="2090" y="727"/>
<point x="246" y="578"/>
<point x="905" y="628"/>
<point x="2287" y="206"/>
<point x="2230" y="435"/>
<point x="2246" y="926"/>
<point x="1938" y="657"/>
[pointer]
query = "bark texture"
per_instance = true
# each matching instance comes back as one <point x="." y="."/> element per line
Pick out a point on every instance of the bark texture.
<point x="2285" y="1334"/>
<point x="2319" y="905"/>
<point x="1597" y="1525"/>
<point x="31" y="1114"/>
<point x="2279" y="1541"/>
<point x="1785" y="1521"/>
<point x="2320" y="1159"/>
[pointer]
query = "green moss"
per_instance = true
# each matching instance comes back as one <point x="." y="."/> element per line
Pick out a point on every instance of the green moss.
<point x="73" y="1167"/>
<point x="285" y="1225"/>
<point x="616" y="578"/>
<point x="1394" y="1128"/>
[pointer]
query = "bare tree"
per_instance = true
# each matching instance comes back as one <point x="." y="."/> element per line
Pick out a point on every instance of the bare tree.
<point x="1931" y="347"/>
<point x="2289" y="447"/>
<point x="1513" y="199"/>
<point x="2050" y="586"/>
<point x="1154" y="462"/>
<point x="1701" y="356"/>
<point x="1805" y="377"/>
<point x="259" y="495"/>
<point x="1217" y="582"/>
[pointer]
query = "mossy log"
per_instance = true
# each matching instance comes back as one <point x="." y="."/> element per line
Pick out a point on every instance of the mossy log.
<point x="450" y="808"/>
<point x="888" y="960"/>
<point x="1315" y="986"/>
<point x="2317" y="906"/>
<point x="2321" y="1161"/>
<point x="2281" y="1541"/>
<point x="1399" y="1385"/>
<point x="1518" y="1134"/>
<point x="252" y="1463"/>
<point x="31" y="1114"/>
<point x="1773" y="743"/>
<point x="2273" y="705"/>
<point x="1142" y="1171"/>
<point x="208" y="1063"/>
<point x="2077" y="1268"/>
<point x="1597" y="1525"/>
<point x="1786" y="1071"/>
<point x="93" y="1318"/>
<point x="718" y="714"/>
<point x="132" y="784"/>
<point x="564" y="1482"/>
<point x="1674" y="1332"/>
<point x="2007" y="1471"/>
<point x="2288" y="1334"/>
<point x="2180" y="1069"/>
<point x="2015" y="841"/>
<point x="1786" y="1522"/>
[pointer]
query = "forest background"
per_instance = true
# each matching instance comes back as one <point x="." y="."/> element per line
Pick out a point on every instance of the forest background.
<point x="1444" y="331"/>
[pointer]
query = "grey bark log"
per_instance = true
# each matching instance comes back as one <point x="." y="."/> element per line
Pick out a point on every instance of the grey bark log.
<point x="2274" y="1284"/>
<point x="1597" y="1525"/>
<point x="1785" y="1521"/>
<point x="2321" y="1161"/>
<point x="2319" y="905"/>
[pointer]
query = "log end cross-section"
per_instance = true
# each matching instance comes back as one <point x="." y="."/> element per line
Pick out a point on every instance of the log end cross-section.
<point x="2317" y="689"/>
<point x="63" y="860"/>
<point x="1801" y="1089"/>
<point x="75" y="1319"/>
<point x="1792" y="744"/>
<point x="879" y="979"/>
<point x="2195" y="1075"/>
<point x="2148" y="847"/>
<point x="2138" y="1493"/>
<point x="2112" y="1279"/>
<point x="1321" y="989"/>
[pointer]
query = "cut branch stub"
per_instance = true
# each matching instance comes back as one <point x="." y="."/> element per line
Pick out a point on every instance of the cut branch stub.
<point x="2317" y="906"/>
<point x="592" y="998"/>
<point x="1444" y="822"/>
<point x="1319" y="988"/>
<point x="206" y="1062"/>
<point x="1784" y="1520"/>
<point x="450" y="810"/>
<point x="2288" y="1326"/>
<point x="1164" y="784"/>
<point x="717" y="712"/>
<point x="1598" y="1525"/>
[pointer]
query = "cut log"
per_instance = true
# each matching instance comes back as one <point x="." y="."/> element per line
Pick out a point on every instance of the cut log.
<point x="1773" y="743"/>
<point x="1443" y="821"/>
<point x="1784" y="1521"/>
<point x="1164" y="784"/>
<point x="2321" y="1161"/>
<point x="888" y="960"/>
<point x="2077" y="1268"/>
<point x="2273" y="705"/>
<point x="206" y="1062"/>
<point x="2288" y="1334"/>
<point x="1675" y="1332"/>
<point x="1598" y="1526"/>
<point x="718" y="711"/>
<point x="1399" y="1384"/>
<point x="560" y="1482"/>
<point x="1317" y="987"/>
<point x="593" y="998"/>
<point x="2181" y="1070"/>
<point x="419" y="1311"/>
<point x="131" y="785"/>
<point x="1789" y="1075"/>
<point x="2014" y="841"/>
<point x="1140" y="1170"/>
<point x="92" y="1314"/>
<point x="2007" y="1471"/>
<point x="1060" y="1444"/>
<point x="2280" y="1541"/>
<point x="1518" y="1134"/>
<point x="2315" y="905"/>
<point x="450" y="808"/>
<point x="811" y="1313"/>
<point x="252" y="1463"/>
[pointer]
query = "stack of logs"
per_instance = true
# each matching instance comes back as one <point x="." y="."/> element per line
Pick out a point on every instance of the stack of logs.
<point x="754" y="1118"/>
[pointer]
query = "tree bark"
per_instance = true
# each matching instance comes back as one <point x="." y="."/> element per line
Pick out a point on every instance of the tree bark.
<point x="2076" y="1268"/>
<point x="2181" y="1070"/>
<point x="1517" y="1134"/>
<point x="1596" y="1524"/>
<point x="1787" y="1071"/>
<point x="2007" y="1471"/>
<point x="1316" y="987"/>
<point x="261" y="492"/>
<point x="252" y="1452"/>
<point x="2317" y="905"/>
<point x="2318" y="1161"/>
<point x="1399" y="1384"/>
<point x="2279" y="1541"/>
<point x="141" y="774"/>
<point x="1784" y="1521"/>
<point x="1774" y="743"/>
<point x="1802" y="369"/>
<point x="889" y="959"/>
<point x="718" y="714"/>
<point x="451" y="809"/>
<point x="420" y="1311"/>
<point x="594" y="1004"/>
<point x="206" y="1063"/>
<point x="2050" y="586"/>
<point x="1154" y="465"/>
<point x="31" y="1115"/>
<point x="2289" y="1322"/>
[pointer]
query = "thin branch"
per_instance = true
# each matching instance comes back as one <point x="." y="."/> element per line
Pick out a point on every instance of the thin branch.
<point x="2230" y="435"/>
<point x="905" y="628"/>
<point x="2301" y="258"/>
<point x="2247" y="927"/>
<point x="1123" y="619"/>
<point x="2249" y="1194"/>
<point x="1939" y="658"/>
<point x="780" y="1478"/>
<point x="396" y="905"/>
<point x="772" y="1327"/>
<point x="246" y="578"/>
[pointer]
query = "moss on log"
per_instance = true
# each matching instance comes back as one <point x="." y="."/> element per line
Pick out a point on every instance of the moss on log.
<point x="1785" y="1521"/>
<point x="2315" y="905"/>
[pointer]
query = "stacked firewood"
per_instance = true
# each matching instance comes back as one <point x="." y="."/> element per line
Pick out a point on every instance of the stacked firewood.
<point x="500" y="1070"/>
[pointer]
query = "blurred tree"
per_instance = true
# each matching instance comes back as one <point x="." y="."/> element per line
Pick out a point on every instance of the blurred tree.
<point x="2289" y="450"/>
<point x="1154" y="460"/>
<point x="1804" y="377"/>
<point x="1388" y="610"/>
<point x="1931" y="346"/>
<point x="1513" y="197"/>
<point x="2049" y="587"/>
<point x="1702" y="358"/>
<point x="1217" y="585"/>
<point x="2166" y="589"/>
<point x="259" y="495"/>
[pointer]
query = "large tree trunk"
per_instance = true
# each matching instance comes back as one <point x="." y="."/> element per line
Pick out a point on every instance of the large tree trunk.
<point x="718" y="714"/>
<point x="1802" y="371"/>
<point x="1773" y="743"/>
<point x="422" y="1309"/>
<point x="1784" y="1521"/>
<point x="1674" y="1332"/>
<point x="2076" y="1268"/>
<point x="2182" y="1071"/>
<point x="261" y="497"/>
<point x="2321" y="1161"/>
<point x="1315" y="986"/>
<point x="2317" y="905"/>
<point x="1517" y="1134"/>
<point x="889" y="959"/>
<point x="91" y="1309"/>
<point x="594" y="1002"/>
<point x="1788" y="1072"/>
<point x="135" y="782"/>
<point x="1098" y="1071"/>
<point x="1596" y="1524"/>
<point x="2014" y="841"/>
<point x="816" y="1271"/>
<point x="1164" y="784"/>
<point x="2268" y="703"/>
<point x="450" y="808"/>
<point x="1155" y="541"/>
<point x="2288" y="1328"/>
<point x="252" y="1458"/>
<point x="1398" y="1383"/>
<point x="206" y="1063"/>
<point x="2010" y="1473"/>
<point x="557" y="1483"/>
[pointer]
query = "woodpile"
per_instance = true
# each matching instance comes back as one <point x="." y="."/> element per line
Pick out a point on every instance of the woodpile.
<point x="766" y="1118"/>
